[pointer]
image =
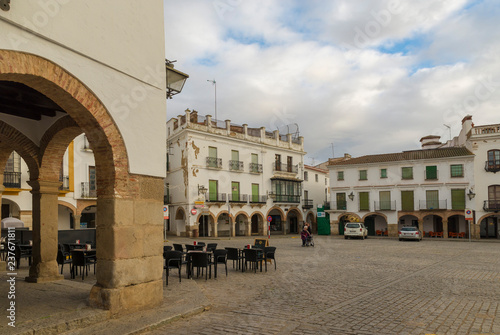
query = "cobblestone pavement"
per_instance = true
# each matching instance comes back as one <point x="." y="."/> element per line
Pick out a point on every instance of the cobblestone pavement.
<point x="373" y="286"/>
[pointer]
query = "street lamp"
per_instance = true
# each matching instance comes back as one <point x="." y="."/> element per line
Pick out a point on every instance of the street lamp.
<point x="175" y="79"/>
<point x="202" y="190"/>
<point x="351" y="196"/>
<point x="471" y="194"/>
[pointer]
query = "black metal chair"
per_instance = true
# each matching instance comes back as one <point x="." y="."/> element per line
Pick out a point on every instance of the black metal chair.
<point x="165" y="249"/>
<point x="63" y="258"/>
<point x="190" y="247"/>
<point x="200" y="260"/>
<point x="79" y="260"/>
<point x="233" y="254"/>
<point x="254" y="257"/>
<point x="20" y="252"/>
<point x="178" y="247"/>
<point x="200" y="243"/>
<point x="219" y="257"/>
<point x="269" y="253"/>
<point x="173" y="260"/>
<point x="211" y="247"/>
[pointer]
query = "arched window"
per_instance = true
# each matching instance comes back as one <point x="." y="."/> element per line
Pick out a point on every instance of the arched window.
<point x="493" y="162"/>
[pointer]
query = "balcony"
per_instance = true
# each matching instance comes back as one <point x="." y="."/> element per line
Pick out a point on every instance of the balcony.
<point x="285" y="198"/>
<point x="258" y="199"/>
<point x="491" y="205"/>
<point x="338" y="205"/>
<point x="235" y="165"/>
<point x="12" y="179"/>
<point x="167" y="199"/>
<point x="87" y="192"/>
<point x="240" y="198"/>
<point x="215" y="197"/>
<point x="492" y="166"/>
<point x="65" y="183"/>
<point x="214" y="162"/>
<point x="278" y="167"/>
<point x="255" y="168"/>
<point x="307" y="203"/>
<point x="385" y="205"/>
<point x="429" y="205"/>
<point x="326" y="205"/>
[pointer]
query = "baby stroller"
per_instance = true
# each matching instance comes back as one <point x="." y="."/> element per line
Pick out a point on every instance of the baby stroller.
<point x="310" y="241"/>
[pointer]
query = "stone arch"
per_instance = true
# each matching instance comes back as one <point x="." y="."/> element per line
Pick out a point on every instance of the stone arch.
<point x="180" y="214"/>
<point x="241" y="229"/>
<point x="374" y="213"/>
<point x="84" y="108"/>
<point x="257" y="225"/>
<point x="68" y="205"/>
<point x="349" y="214"/>
<point x="53" y="145"/>
<point x="13" y="140"/>
<point x="486" y="216"/>
<point x="296" y="210"/>
<point x="258" y="213"/>
<point x="282" y="213"/>
<point x="119" y="194"/>
<point x="222" y="212"/>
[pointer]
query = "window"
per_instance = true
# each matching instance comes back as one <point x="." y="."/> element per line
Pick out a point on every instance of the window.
<point x="255" y="192"/>
<point x="255" y="167"/>
<point x="234" y="164"/>
<point x="316" y="177"/>
<point x="286" y="190"/>
<point x="493" y="163"/>
<point x="407" y="202"/>
<point x="289" y="163"/>
<point x="306" y="195"/>
<point x="407" y="172"/>
<point x="92" y="178"/>
<point x="458" y="199"/>
<point x="12" y="172"/>
<point x="385" y="200"/>
<point x="363" y="175"/>
<point x="235" y="191"/>
<point x="432" y="199"/>
<point x="364" y="201"/>
<point x="457" y="170"/>
<point x="341" y="202"/>
<point x="431" y="172"/>
<point x="306" y="176"/>
<point x="340" y="175"/>
<point x="383" y="173"/>
<point x="213" y="189"/>
<point x="277" y="162"/>
<point x="212" y="157"/>
<point x="326" y="181"/>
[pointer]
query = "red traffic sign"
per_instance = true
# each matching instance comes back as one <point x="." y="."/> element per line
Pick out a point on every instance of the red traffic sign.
<point x="194" y="211"/>
<point x="269" y="218"/>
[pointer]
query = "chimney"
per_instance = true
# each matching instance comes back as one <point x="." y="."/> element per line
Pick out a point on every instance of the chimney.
<point x="430" y="142"/>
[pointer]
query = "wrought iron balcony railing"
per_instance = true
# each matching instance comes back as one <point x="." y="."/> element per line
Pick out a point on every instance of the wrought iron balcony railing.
<point x="215" y="197"/>
<point x="492" y="166"/>
<point x="255" y="168"/>
<point x="307" y="203"/>
<point x="12" y="179"/>
<point x="491" y="205"/>
<point x="385" y="205"/>
<point x="258" y="199"/>
<point x="236" y="165"/>
<point x="233" y="197"/>
<point x="426" y="205"/>
<point x="214" y="162"/>
<point x="285" y="168"/>
<point x="87" y="192"/>
<point x="285" y="198"/>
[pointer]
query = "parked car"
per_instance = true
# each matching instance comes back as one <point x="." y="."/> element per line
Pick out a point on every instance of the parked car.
<point x="410" y="233"/>
<point x="355" y="229"/>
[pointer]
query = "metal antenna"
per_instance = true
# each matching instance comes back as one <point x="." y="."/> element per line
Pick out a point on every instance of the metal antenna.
<point x="449" y="128"/>
<point x="215" y="87"/>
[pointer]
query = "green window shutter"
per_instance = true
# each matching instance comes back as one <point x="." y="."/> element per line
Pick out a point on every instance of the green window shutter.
<point x="407" y="202"/>
<point x="383" y="173"/>
<point x="235" y="155"/>
<point x="341" y="202"/>
<point x="457" y="170"/>
<point x="407" y="173"/>
<point x="235" y="191"/>
<point x="212" y="190"/>
<point x="255" y="192"/>
<point x="458" y="199"/>
<point x="432" y="198"/>
<point x="340" y="175"/>
<point x="363" y="175"/>
<point x="385" y="200"/>
<point x="212" y="152"/>
<point x="255" y="159"/>
<point x="364" y="201"/>
<point x="431" y="172"/>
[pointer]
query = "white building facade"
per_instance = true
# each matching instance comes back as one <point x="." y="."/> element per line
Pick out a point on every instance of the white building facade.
<point x="225" y="179"/>
<point x="316" y="193"/>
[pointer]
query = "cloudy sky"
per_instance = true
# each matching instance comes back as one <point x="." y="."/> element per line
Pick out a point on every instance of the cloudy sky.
<point x="369" y="76"/>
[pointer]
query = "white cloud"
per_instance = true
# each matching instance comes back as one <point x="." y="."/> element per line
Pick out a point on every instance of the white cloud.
<point x="287" y="62"/>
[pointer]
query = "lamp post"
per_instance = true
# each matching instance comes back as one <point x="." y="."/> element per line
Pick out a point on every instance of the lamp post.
<point x="175" y="79"/>
<point x="215" y="88"/>
<point x="351" y="196"/>
<point x="471" y="194"/>
<point x="202" y="190"/>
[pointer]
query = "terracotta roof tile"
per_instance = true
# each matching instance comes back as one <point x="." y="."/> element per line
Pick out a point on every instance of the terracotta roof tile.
<point x="407" y="155"/>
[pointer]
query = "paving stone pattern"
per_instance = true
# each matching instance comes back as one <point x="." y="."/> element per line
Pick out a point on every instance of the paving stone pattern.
<point x="373" y="286"/>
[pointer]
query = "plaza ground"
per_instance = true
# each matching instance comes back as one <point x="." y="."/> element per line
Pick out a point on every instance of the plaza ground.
<point x="373" y="286"/>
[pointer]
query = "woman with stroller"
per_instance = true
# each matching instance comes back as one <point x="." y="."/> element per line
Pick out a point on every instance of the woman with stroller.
<point x="304" y="235"/>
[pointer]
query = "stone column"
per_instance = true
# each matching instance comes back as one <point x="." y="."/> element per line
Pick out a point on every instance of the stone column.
<point x="216" y="234"/>
<point x="76" y="221"/>
<point x="129" y="242"/>
<point x="45" y="229"/>
<point x="445" y="228"/>
<point x="421" y="226"/>
<point x="392" y="229"/>
<point x="334" y="227"/>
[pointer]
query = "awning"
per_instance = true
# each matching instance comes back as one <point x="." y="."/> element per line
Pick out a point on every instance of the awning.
<point x="11" y="222"/>
<point x="287" y="178"/>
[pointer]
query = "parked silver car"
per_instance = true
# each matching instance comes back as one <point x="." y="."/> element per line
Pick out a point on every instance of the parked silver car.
<point x="355" y="229"/>
<point x="410" y="233"/>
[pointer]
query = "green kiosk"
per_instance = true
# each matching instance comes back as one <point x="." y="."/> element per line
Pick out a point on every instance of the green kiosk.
<point x="323" y="220"/>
